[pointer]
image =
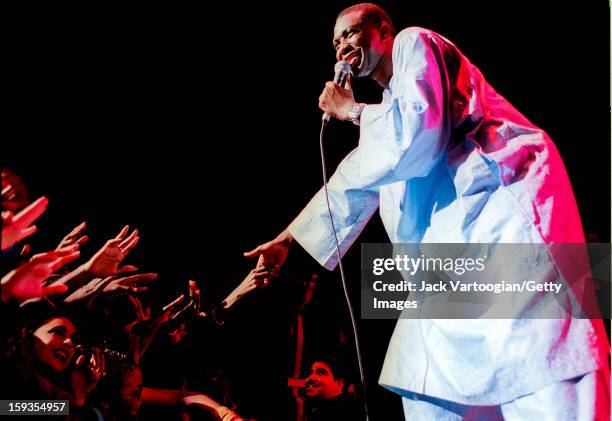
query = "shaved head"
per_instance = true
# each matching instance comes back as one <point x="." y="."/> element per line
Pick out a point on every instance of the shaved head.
<point x="370" y="13"/>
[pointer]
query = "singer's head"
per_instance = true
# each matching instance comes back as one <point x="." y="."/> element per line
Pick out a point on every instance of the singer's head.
<point x="363" y="36"/>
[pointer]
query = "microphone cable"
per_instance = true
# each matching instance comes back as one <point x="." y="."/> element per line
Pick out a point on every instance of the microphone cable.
<point x="344" y="287"/>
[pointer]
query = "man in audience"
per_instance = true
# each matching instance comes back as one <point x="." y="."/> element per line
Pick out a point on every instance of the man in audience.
<point x="325" y="390"/>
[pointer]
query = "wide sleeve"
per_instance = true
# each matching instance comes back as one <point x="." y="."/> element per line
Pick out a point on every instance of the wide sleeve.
<point x="352" y="206"/>
<point x="405" y="138"/>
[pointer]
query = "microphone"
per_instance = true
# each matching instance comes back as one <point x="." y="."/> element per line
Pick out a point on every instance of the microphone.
<point x="341" y="70"/>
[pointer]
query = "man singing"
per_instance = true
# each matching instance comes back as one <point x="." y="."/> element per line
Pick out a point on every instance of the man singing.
<point x="447" y="159"/>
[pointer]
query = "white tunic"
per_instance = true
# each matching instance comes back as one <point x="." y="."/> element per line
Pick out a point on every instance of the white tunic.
<point x="448" y="160"/>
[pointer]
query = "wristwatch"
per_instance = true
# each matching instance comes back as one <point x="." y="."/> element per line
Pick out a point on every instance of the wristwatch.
<point x="355" y="113"/>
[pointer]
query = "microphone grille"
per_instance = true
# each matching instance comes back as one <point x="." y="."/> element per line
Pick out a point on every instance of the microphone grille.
<point x="342" y="66"/>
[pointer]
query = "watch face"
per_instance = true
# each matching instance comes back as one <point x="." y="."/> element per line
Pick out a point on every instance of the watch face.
<point x="355" y="112"/>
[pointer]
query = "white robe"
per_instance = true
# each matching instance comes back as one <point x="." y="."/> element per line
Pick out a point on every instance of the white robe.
<point x="448" y="160"/>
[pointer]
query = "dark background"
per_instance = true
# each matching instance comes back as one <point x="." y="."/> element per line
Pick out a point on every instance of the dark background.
<point x="200" y="128"/>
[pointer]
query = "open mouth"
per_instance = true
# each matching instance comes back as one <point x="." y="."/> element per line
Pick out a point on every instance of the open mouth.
<point x="354" y="59"/>
<point x="311" y="386"/>
<point x="61" y="354"/>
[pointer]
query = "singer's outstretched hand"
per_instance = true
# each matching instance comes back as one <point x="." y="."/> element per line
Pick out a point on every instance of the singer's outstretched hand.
<point x="336" y="100"/>
<point x="273" y="253"/>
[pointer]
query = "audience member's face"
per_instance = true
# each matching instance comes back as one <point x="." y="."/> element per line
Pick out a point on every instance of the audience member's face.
<point x="321" y="384"/>
<point x="359" y="43"/>
<point x="53" y="343"/>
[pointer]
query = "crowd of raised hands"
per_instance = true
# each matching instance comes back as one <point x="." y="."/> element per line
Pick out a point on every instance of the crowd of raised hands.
<point x="47" y="297"/>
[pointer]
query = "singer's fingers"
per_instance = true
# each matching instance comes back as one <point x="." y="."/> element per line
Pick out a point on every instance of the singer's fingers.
<point x="253" y="253"/>
<point x="347" y="83"/>
<point x="266" y="269"/>
<point x="326" y="96"/>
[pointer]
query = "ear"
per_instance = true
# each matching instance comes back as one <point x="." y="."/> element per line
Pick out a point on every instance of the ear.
<point x="385" y="31"/>
<point x="340" y="384"/>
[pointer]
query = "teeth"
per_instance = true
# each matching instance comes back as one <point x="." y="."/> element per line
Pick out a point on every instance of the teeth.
<point x="353" y="57"/>
<point x="60" y="354"/>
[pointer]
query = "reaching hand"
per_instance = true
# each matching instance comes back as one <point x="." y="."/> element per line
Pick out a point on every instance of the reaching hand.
<point x="74" y="237"/>
<point x="87" y="292"/>
<point x="107" y="260"/>
<point x="142" y="331"/>
<point x="195" y="297"/>
<point x="89" y="368"/>
<point x="257" y="278"/>
<point x="111" y="286"/>
<point x="273" y="253"/>
<point x="17" y="227"/>
<point x="177" y="335"/>
<point x="134" y="283"/>
<point x="27" y="281"/>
